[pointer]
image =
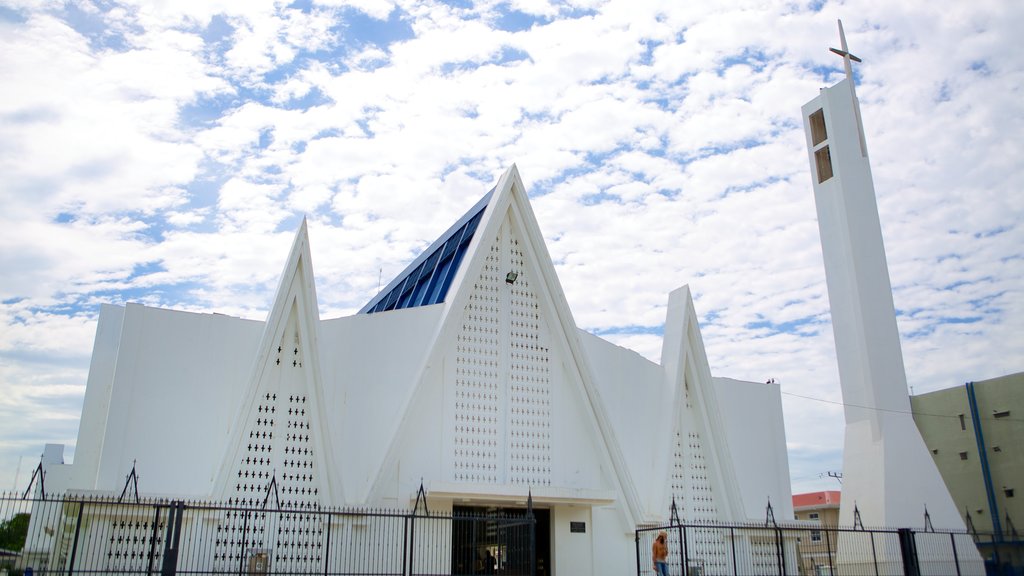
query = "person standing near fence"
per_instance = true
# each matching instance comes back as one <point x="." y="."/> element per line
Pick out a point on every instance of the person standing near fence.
<point x="489" y="562"/>
<point x="659" y="553"/>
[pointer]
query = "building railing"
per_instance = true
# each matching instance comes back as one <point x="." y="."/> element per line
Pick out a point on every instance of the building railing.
<point x="815" y="550"/>
<point x="85" y="534"/>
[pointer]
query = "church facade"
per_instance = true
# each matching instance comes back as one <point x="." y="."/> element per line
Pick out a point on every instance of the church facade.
<point x="466" y="375"/>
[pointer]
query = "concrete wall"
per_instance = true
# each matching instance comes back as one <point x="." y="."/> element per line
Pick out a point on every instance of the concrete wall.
<point x="752" y="412"/>
<point x="945" y="421"/>
<point x="175" y="390"/>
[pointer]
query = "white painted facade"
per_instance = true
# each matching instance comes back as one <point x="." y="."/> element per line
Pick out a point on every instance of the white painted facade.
<point x="490" y="396"/>
<point x="888" y="475"/>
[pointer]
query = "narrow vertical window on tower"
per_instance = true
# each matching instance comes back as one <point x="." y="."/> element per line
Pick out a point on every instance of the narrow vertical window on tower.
<point x="818" y="132"/>
<point x="822" y="156"/>
<point x="823" y="160"/>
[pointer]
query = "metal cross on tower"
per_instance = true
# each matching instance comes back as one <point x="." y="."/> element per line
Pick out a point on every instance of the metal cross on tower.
<point x="848" y="67"/>
<point x="845" y="53"/>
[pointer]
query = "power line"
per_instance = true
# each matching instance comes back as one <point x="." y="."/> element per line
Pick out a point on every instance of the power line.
<point x="910" y="412"/>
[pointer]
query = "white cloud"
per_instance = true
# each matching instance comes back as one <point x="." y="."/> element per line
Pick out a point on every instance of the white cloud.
<point x="661" y="140"/>
<point x="379" y="9"/>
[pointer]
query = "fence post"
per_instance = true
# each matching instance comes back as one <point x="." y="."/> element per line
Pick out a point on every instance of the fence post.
<point x="780" y="551"/>
<point x="170" y="564"/>
<point x="828" y="549"/>
<point x="956" y="559"/>
<point x="874" y="555"/>
<point x="908" y="550"/>
<point x="732" y="543"/>
<point x="74" y="546"/>
<point x="152" y="539"/>
<point x="636" y="540"/>
<point x="686" y="552"/>
<point x="241" y="551"/>
<point x="327" y="547"/>
<point x="533" y="544"/>
<point x="411" y="520"/>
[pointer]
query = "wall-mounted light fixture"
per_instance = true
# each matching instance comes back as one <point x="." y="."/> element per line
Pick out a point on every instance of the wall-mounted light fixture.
<point x="511" y="277"/>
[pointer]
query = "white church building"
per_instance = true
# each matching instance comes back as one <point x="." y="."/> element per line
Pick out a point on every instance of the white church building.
<point x="467" y="375"/>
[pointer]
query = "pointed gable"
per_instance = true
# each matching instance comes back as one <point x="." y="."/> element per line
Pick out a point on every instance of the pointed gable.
<point x="280" y="432"/>
<point x="506" y="360"/>
<point x="700" y="480"/>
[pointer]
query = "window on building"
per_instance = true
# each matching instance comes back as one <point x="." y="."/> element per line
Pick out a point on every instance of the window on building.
<point x="1008" y="492"/>
<point x="935" y="450"/>
<point x="823" y="161"/>
<point x="818" y="132"/>
<point x="963" y="424"/>
<point x="997" y="449"/>
<point x="815" y="535"/>
<point x="963" y="455"/>
<point x="1000" y="413"/>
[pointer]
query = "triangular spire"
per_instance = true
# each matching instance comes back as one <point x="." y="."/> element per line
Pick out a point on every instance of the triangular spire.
<point x="509" y="336"/>
<point x="700" y="474"/>
<point x="281" y="423"/>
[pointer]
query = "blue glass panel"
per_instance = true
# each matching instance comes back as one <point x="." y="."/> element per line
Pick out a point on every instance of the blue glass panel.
<point x="438" y="283"/>
<point x="471" y="226"/>
<point x="452" y="243"/>
<point x="421" y="286"/>
<point x="425" y="281"/>
<point x="392" y="300"/>
<point x="406" y="292"/>
<point x="453" y="269"/>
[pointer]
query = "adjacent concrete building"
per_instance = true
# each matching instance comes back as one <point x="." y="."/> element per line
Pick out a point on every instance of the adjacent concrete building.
<point x="818" y="549"/>
<point x="975" y="434"/>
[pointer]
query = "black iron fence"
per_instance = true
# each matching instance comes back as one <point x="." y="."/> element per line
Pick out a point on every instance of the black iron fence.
<point x="751" y="549"/>
<point x="82" y="534"/>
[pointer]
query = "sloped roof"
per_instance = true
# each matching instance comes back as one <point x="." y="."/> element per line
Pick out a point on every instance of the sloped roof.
<point x="824" y="499"/>
<point x="427" y="279"/>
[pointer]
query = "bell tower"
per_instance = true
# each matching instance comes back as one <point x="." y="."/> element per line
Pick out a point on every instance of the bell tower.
<point x="888" y="474"/>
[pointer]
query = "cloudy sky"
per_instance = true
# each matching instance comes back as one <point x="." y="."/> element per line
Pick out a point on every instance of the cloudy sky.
<point x="165" y="152"/>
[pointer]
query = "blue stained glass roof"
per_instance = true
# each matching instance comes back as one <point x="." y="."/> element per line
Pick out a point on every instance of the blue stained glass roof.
<point x="427" y="279"/>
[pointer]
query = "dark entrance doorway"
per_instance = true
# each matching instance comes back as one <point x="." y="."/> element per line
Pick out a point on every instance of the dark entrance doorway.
<point x="492" y="540"/>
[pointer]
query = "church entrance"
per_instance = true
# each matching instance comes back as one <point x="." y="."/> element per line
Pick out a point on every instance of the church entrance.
<point x="493" y="540"/>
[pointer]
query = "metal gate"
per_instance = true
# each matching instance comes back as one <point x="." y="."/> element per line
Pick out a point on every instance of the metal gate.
<point x="78" y="534"/>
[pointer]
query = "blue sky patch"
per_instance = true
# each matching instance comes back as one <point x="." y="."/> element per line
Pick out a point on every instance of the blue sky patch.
<point x="11" y="15"/>
<point x="516" y="21"/>
<point x="217" y="30"/>
<point x="358" y="28"/>
<point x="630" y="330"/>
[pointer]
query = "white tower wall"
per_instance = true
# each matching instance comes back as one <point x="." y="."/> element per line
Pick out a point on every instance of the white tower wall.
<point x="888" y="474"/>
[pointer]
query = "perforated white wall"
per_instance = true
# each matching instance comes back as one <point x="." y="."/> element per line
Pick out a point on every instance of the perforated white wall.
<point x="529" y="380"/>
<point x="130" y="541"/>
<point x="502" y="386"/>
<point x="276" y="462"/>
<point x="479" y="394"/>
<point x="692" y="491"/>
